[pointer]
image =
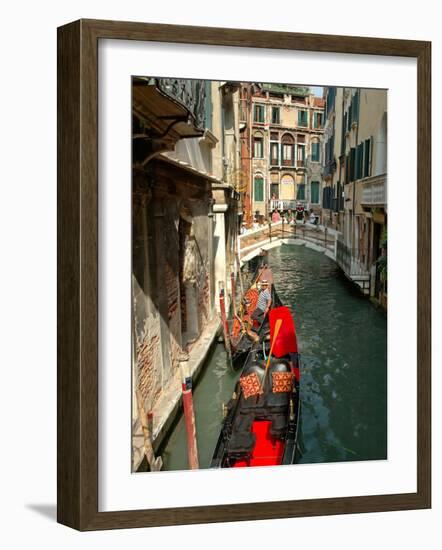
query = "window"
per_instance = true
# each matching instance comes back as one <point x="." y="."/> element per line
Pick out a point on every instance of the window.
<point x="300" y="195"/>
<point x="301" y="155"/>
<point x="288" y="150"/>
<point x="359" y="165"/>
<point x="331" y="96"/>
<point x="367" y="159"/>
<point x="287" y="154"/>
<point x="314" y="192"/>
<point x="355" y="107"/>
<point x="274" y="191"/>
<point x="274" y="154"/>
<point x="317" y="120"/>
<point x="327" y="197"/>
<point x="258" y="146"/>
<point x="275" y="115"/>
<point x="302" y="118"/>
<point x="352" y="163"/>
<point x="315" y="151"/>
<point x="258" y="113"/>
<point x="243" y="110"/>
<point x="258" y="191"/>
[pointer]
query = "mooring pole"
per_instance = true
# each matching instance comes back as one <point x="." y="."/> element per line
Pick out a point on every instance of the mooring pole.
<point x="232" y="283"/>
<point x="189" y="417"/>
<point x="222" y="307"/>
<point x="241" y="286"/>
<point x="146" y="422"/>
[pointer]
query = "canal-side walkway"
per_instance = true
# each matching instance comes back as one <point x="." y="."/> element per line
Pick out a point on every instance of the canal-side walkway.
<point x="169" y="403"/>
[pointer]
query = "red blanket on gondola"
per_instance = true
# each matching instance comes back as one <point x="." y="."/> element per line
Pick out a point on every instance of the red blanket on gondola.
<point x="286" y="341"/>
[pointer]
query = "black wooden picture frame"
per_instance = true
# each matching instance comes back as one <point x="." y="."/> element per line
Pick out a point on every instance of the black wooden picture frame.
<point x="77" y="226"/>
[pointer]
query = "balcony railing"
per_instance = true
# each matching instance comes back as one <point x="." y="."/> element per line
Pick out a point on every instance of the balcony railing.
<point x="190" y="93"/>
<point x="281" y="204"/>
<point x="374" y="190"/>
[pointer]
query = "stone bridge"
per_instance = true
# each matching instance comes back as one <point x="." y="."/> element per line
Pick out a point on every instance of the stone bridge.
<point x="272" y="235"/>
<point x="316" y="237"/>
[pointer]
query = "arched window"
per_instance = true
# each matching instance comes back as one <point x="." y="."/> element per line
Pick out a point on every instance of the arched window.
<point x="258" y="188"/>
<point x="288" y="148"/>
<point x="258" y="145"/>
<point x="274" y="149"/>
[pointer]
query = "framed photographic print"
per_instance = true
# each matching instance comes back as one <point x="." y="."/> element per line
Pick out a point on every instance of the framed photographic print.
<point x="232" y="342"/>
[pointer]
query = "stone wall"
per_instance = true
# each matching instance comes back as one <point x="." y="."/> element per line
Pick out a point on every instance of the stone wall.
<point x="170" y="261"/>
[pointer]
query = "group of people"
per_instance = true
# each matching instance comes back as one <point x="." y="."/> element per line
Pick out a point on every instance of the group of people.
<point x="291" y="217"/>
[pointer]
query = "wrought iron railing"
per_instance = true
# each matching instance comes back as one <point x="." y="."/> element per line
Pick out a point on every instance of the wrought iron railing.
<point x="190" y="93"/>
<point x="352" y="260"/>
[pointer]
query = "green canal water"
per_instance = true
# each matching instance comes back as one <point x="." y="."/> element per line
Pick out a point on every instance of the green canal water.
<point x="342" y="339"/>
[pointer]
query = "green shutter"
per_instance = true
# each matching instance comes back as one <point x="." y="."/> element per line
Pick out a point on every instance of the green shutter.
<point x="352" y="164"/>
<point x="314" y="192"/>
<point x="302" y="118"/>
<point x="315" y="151"/>
<point x="300" y="196"/>
<point x="356" y="106"/>
<point x="367" y="153"/>
<point x="259" y="189"/>
<point x="208" y="104"/>
<point x="358" y="167"/>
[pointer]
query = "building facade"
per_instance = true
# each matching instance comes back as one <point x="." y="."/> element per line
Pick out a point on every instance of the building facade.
<point x="185" y="222"/>
<point x="355" y="183"/>
<point x="333" y="159"/>
<point x="281" y="152"/>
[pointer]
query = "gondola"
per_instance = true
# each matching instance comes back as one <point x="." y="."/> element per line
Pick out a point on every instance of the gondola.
<point x="241" y="342"/>
<point x="260" y="426"/>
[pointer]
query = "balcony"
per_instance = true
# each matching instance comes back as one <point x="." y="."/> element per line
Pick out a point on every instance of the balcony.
<point x="282" y="204"/>
<point x="329" y="168"/>
<point x="374" y="191"/>
<point x="190" y="93"/>
<point x="165" y="111"/>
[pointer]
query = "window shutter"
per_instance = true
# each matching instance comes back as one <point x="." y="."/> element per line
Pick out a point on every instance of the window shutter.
<point x="259" y="189"/>
<point x="314" y="192"/>
<point x="352" y="164"/>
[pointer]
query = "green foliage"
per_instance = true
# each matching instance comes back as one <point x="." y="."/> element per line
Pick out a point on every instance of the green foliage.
<point x="383" y="240"/>
<point x="382" y="260"/>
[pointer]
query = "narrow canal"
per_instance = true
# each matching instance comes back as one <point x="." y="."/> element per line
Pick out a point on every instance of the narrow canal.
<point x="342" y="339"/>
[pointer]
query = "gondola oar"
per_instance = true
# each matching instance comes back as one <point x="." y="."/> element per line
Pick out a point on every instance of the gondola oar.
<point x="275" y="336"/>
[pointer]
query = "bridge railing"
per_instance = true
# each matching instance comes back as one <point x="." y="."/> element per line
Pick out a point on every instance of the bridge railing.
<point x="352" y="260"/>
<point x="267" y="233"/>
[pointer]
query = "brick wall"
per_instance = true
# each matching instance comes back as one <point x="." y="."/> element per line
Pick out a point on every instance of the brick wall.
<point x="149" y="364"/>
<point x="168" y="197"/>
